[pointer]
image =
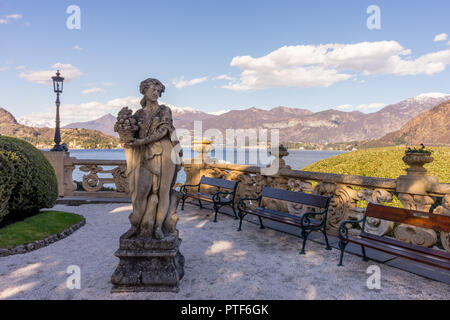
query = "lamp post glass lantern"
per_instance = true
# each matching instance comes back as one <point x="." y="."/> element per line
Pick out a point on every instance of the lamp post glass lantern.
<point x="58" y="88"/>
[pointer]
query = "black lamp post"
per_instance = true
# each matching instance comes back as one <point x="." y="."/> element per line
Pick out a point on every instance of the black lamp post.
<point x="58" y="88"/>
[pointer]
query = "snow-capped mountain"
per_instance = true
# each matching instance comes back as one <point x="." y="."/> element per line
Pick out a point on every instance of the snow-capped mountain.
<point x="295" y="124"/>
<point x="434" y="95"/>
<point x="32" y="121"/>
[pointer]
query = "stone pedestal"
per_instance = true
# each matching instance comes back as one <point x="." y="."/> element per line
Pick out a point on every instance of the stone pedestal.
<point x="56" y="159"/>
<point x="413" y="191"/>
<point x="416" y="181"/>
<point x="148" y="265"/>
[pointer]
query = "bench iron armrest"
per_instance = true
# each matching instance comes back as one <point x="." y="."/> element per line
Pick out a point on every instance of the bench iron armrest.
<point x="183" y="187"/>
<point x="216" y="196"/>
<point x="241" y="203"/>
<point x="343" y="230"/>
<point x="306" y="221"/>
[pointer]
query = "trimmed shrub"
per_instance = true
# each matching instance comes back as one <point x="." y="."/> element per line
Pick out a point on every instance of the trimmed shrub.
<point x="27" y="179"/>
<point x="7" y="164"/>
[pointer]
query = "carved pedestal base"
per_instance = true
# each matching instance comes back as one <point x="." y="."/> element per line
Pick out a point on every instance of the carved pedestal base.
<point x="148" y="265"/>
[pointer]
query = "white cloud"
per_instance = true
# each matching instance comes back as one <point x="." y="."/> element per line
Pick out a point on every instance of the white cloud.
<point x="365" y="107"/>
<point x="119" y="103"/>
<point x="68" y="71"/>
<point x="224" y="77"/>
<point x="440" y="37"/>
<point x="93" y="90"/>
<point x="181" y="83"/>
<point x="323" y="65"/>
<point x="20" y="67"/>
<point x="88" y="111"/>
<point x="77" y="47"/>
<point x="4" y="68"/>
<point x="14" y="16"/>
<point x="9" y="18"/>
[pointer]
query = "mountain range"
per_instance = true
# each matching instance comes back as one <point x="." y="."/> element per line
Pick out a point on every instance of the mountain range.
<point x="103" y="124"/>
<point x="299" y="125"/>
<point x="429" y="128"/>
<point x="43" y="137"/>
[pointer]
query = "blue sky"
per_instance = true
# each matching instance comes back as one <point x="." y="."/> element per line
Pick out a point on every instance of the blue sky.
<point x="331" y="58"/>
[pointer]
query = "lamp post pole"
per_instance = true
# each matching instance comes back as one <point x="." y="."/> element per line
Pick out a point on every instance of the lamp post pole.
<point x="58" y="88"/>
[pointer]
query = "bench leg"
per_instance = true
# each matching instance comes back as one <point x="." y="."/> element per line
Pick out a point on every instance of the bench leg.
<point x="260" y="222"/>
<point x="305" y="235"/>
<point x="182" y="203"/>
<point x="234" y="210"/>
<point x="328" y="247"/>
<point x="216" y="210"/>
<point x="364" y="253"/>
<point x="240" y="223"/>
<point x="342" y="246"/>
<point x="200" y="204"/>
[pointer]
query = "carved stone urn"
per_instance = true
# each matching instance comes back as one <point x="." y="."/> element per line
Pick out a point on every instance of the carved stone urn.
<point x="416" y="180"/>
<point x="416" y="161"/>
<point x="203" y="148"/>
<point x="278" y="163"/>
<point x="412" y="191"/>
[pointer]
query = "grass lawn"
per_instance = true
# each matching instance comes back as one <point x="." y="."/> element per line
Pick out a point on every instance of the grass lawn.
<point x="37" y="227"/>
<point x="382" y="163"/>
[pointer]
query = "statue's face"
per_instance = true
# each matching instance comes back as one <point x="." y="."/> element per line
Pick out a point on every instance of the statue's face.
<point x="152" y="93"/>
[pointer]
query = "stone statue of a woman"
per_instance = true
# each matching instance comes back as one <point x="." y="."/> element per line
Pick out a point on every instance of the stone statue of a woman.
<point x="149" y="253"/>
<point x="152" y="164"/>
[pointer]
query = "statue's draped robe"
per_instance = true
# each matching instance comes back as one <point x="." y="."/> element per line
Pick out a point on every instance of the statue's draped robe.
<point x="154" y="157"/>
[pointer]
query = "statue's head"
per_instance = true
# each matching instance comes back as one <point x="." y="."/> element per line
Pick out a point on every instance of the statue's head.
<point x="152" y="89"/>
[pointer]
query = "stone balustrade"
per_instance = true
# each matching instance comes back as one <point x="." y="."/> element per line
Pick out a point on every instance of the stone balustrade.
<point x="415" y="190"/>
<point x="93" y="180"/>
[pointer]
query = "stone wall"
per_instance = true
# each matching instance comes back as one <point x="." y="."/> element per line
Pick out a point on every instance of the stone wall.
<point x="92" y="182"/>
<point x="415" y="190"/>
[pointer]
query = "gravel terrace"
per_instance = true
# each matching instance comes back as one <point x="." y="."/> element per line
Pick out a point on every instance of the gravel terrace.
<point x="221" y="263"/>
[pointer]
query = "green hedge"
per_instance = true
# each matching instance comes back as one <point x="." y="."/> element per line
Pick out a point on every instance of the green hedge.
<point x="27" y="179"/>
<point x="7" y="163"/>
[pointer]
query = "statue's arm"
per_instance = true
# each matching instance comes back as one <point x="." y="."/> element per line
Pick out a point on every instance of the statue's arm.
<point x="163" y="128"/>
<point x="159" y="133"/>
<point x="162" y="131"/>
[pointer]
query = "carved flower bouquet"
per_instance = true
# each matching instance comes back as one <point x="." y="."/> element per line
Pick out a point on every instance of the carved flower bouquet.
<point x="126" y="125"/>
<point x="421" y="151"/>
<point x="416" y="158"/>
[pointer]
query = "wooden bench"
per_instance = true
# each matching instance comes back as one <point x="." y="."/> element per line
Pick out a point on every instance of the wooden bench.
<point x="437" y="258"/>
<point x="219" y="198"/>
<point x="307" y="221"/>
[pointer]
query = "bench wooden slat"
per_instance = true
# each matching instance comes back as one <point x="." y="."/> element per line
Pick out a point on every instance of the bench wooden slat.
<point x="221" y="183"/>
<point x="297" y="197"/>
<point x="409" y="246"/>
<point x="205" y="197"/>
<point x="411" y="217"/>
<point x="279" y="216"/>
<point x="288" y="215"/>
<point x="402" y="252"/>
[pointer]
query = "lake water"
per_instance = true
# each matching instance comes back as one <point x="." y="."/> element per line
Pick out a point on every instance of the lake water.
<point x="297" y="159"/>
